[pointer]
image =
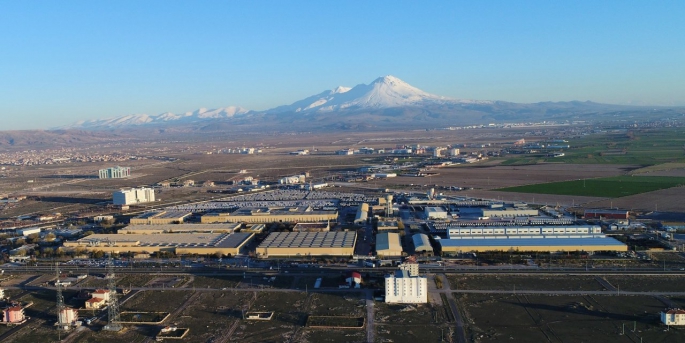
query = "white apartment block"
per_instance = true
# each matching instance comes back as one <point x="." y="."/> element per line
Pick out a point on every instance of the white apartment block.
<point x="400" y="288"/>
<point x="115" y="172"/>
<point x="133" y="196"/>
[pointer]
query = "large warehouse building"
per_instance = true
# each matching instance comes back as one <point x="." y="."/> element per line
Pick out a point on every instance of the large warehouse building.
<point x="435" y="213"/>
<point x="422" y="244"/>
<point x="388" y="244"/>
<point x="606" y="214"/>
<point x="531" y="244"/>
<point x="362" y="214"/>
<point x="529" y="238"/>
<point x="509" y="212"/>
<point x="272" y="215"/>
<point x="148" y="229"/>
<point x="308" y="244"/>
<point x="179" y="243"/>
<point x="161" y="217"/>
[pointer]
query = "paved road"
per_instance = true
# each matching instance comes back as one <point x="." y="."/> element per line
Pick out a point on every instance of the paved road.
<point x="602" y="281"/>
<point x="370" y="317"/>
<point x="460" y="333"/>
<point x="348" y="290"/>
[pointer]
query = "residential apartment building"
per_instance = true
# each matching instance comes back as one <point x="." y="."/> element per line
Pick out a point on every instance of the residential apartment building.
<point x="401" y="288"/>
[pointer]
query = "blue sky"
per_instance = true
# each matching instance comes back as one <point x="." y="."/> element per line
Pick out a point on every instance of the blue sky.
<point x="63" y="61"/>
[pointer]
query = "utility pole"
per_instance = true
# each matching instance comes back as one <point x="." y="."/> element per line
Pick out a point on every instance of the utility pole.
<point x="113" y="314"/>
<point x="60" y="301"/>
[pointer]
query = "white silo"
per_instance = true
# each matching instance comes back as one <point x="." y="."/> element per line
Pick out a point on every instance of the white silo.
<point x="388" y="205"/>
<point x="431" y="194"/>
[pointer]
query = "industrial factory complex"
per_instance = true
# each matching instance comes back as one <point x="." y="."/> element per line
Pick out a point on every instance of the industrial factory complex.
<point x="292" y="223"/>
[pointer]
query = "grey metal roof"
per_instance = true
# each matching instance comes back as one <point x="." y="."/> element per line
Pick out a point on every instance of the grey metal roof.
<point x="309" y="239"/>
<point x="529" y="242"/>
<point x="421" y="242"/>
<point x="384" y="240"/>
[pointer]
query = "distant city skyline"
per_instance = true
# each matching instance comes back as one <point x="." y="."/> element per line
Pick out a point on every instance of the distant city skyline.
<point x="68" y="61"/>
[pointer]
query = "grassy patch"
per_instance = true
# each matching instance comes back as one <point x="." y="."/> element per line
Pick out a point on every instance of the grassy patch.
<point x="609" y="187"/>
<point x="642" y="147"/>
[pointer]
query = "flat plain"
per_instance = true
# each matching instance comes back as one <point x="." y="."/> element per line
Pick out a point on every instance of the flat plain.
<point x="564" y="318"/>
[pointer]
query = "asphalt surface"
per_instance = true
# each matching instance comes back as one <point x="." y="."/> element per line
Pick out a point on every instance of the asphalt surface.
<point x="370" y="317"/>
<point x="460" y="332"/>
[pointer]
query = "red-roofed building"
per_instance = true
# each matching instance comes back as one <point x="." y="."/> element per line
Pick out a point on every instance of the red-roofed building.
<point x="674" y="316"/>
<point x="101" y="293"/>
<point x="354" y="279"/>
<point x="95" y="303"/>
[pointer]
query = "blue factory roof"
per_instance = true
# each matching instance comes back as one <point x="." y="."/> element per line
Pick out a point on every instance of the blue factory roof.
<point x="504" y="242"/>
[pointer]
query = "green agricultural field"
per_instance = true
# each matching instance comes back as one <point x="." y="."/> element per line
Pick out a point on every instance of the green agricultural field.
<point x="642" y="147"/>
<point x="608" y="187"/>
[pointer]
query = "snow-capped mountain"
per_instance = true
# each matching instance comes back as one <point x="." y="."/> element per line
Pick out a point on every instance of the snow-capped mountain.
<point x="387" y="101"/>
<point x="384" y="92"/>
<point x="167" y="117"/>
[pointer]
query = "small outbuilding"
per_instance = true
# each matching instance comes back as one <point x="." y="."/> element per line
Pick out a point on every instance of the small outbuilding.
<point x="354" y="279"/>
<point x="674" y="316"/>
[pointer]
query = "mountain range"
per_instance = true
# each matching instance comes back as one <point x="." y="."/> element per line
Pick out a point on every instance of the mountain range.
<point x="387" y="101"/>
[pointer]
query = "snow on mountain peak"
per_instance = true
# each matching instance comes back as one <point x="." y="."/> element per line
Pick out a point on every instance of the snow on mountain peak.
<point x="340" y="89"/>
<point x="384" y="92"/>
<point x="389" y="79"/>
<point x="144" y="119"/>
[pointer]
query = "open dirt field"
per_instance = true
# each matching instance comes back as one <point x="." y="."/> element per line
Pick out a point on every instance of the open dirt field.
<point x="211" y="314"/>
<point x="499" y="176"/>
<point x="665" y="200"/>
<point x="525" y="282"/>
<point x="156" y="301"/>
<point x="289" y="317"/>
<point x="648" y="283"/>
<point x="412" y="323"/>
<point x="526" y="318"/>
